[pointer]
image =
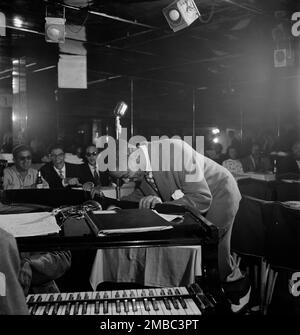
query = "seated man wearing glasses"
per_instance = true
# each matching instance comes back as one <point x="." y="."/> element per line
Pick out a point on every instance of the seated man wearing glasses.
<point x="89" y="175"/>
<point x="58" y="173"/>
<point x="21" y="175"/>
<point x="39" y="269"/>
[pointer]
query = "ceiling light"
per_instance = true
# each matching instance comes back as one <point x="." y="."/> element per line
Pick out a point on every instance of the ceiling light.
<point x="18" y="22"/>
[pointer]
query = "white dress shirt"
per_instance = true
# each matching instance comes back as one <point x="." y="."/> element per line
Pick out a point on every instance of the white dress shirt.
<point x="63" y="171"/>
<point x="93" y="169"/>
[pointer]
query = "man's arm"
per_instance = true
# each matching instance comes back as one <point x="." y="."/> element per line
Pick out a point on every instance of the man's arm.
<point x="189" y="175"/>
<point x="12" y="298"/>
<point x="48" y="266"/>
<point x="135" y="196"/>
<point x="7" y="180"/>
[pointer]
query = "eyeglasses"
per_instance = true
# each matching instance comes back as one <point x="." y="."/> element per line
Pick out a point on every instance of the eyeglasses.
<point x="58" y="155"/>
<point x="23" y="158"/>
<point x="88" y="154"/>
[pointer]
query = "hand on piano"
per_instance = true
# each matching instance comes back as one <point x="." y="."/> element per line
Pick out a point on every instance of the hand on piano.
<point x="96" y="191"/>
<point x="70" y="182"/>
<point x="149" y="202"/>
<point x="73" y="182"/>
<point x="88" y="186"/>
<point x="112" y="207"/>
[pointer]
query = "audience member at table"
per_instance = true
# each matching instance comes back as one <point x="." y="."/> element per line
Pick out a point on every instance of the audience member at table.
<point x="58" y="173"/>
<point x="38" y="270"/>
<point x="12" y="297"/>
<point x="256" y="161"/>
<point x="233" y="164"/>
<point x="89" y="174"/>
<point x="291" y="163"/>
<point x="233" y="140"/>
<point x="21" y="175"/>
<point x="217" y="154"/>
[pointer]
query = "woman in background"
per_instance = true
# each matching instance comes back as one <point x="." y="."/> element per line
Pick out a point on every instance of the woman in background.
<point x="232" y="164"/>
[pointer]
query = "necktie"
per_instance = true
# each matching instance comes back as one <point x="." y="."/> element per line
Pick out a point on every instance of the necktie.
<point x="61" y="174"/>
<point x="96" y="176"/>
<point x="150" y="180"/>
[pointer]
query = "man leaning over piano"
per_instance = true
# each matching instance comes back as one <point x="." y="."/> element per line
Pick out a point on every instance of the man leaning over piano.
<point x="171" y="170"/>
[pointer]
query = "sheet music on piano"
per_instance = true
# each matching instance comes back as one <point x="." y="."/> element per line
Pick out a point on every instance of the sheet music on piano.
<point x="29" y="224"/>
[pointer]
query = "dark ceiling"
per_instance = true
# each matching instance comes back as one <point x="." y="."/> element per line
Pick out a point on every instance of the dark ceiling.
<point x="230" y="47"/>
<point x="222" y="49"/>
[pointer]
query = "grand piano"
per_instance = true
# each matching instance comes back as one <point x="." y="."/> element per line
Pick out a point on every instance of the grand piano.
<point x="76" y="233"/>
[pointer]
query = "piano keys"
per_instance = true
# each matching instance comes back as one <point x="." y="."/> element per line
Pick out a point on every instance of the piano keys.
<point x="148" y="301"/>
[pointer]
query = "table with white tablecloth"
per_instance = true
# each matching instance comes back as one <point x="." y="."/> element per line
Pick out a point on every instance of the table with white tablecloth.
<point x="155" y="266"/>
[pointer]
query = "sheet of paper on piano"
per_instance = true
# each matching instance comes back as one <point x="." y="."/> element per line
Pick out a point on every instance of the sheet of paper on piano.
<point x="168" y="217"/>
<point x="29" y="224"/>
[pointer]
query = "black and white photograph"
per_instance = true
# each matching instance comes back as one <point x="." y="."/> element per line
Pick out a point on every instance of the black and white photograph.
<point x="149" y="163"/>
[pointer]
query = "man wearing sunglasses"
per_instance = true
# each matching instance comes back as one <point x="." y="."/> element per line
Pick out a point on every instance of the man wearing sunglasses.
<point x="58" y="173"/>
<point x="21" y="175"/>
<point x="90" y="176"/>
<point x="39" y="270"/>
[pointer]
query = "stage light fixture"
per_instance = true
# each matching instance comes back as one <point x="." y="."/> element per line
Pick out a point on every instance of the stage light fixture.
<point x="18" y="22"/>
<point x="181" y="13"/>
<point x="55" y="29"/>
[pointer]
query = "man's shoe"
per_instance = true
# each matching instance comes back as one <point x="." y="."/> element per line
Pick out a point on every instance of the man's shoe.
<point x="237" y="293"/>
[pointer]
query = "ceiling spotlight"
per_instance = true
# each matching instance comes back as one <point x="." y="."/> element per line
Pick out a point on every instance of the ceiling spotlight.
<point x="18" y="22"/>
<point x="181" y="13"/>
<point x="215" y="131"/>
<point x="174" y="15"/>
<point x="55" y="29"/>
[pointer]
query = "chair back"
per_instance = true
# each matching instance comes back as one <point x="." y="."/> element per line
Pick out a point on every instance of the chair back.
<point x="287" y="191"/>
<point x="256" y="188"/>
<point x="282" y="247"/>
<point x="248" y="231"/>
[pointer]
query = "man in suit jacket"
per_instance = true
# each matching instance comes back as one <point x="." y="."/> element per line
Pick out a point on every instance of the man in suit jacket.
<point x="57" y="173"/>
<point x="255" y="162"/>
<point x="89" y="174"/>
<point x="12" y="298"/>
<point x="171" y="170"/>
<point x="291" y="164"/>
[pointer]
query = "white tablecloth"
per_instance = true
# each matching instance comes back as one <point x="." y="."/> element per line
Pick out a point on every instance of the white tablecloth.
<point x="157" y="266"/>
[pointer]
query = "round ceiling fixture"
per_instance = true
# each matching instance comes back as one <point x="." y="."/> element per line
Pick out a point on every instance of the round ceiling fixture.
<point x="174" y="15"/>
<point x="54" y="33"/>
